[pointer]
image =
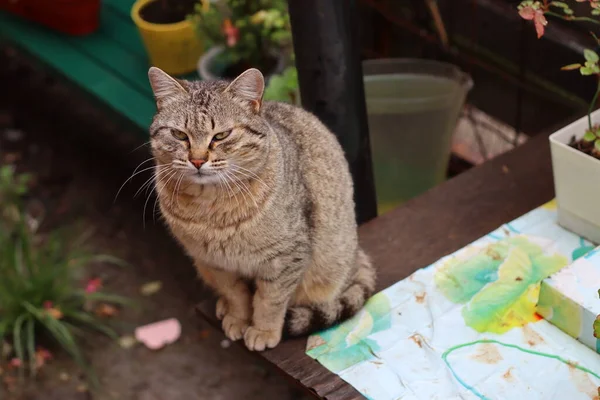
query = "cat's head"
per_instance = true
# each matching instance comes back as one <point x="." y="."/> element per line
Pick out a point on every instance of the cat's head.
<point x="209" y="132"/>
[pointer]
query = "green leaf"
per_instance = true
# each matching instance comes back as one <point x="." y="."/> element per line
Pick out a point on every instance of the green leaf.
<point x="559" y="4"/>
<point x="596" y="11"/>
<point x="18" y="341"/>
<point x="589" y="136"/>
<point x="31" y="345"/>
<point x="571" y="67"/>
<point x="585" y="71"/>
<point x="590" y="55"/>
<point x="93" y="323"/>
<point x="597" y="145"/>
<point x="597" y="327"/>
<point x="107" y="298"/>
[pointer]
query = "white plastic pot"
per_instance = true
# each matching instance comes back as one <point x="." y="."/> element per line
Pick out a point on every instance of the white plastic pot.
<point x="210" y="70"/>
<point x="576" y="181"/>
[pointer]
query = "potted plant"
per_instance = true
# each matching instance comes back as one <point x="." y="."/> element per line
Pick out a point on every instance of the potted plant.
<point x="284" y="87"/>
<point x="169" y="37"/>
<point x="73" y="17"/>
<point x="242" y="34"/>
<point x="575" y="148"/>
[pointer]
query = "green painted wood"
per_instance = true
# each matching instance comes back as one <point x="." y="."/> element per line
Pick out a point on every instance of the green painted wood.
<point x="111" y="63"/>
<point x="118" y="60"/>
<point x="122" y="6"/>
<point x="122" y="30"/>
<point x="55" y="51"/>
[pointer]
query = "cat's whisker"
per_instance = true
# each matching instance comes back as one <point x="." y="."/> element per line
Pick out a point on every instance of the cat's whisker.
<point x="149" y="181"/>
<point x="154" y="211"/>
<point x="140" y="146"/>
<point x="247" y="190"/>
<point x="234" y="181"/>
<point x="136" y="173"/>
<point x="249" y="174"/>
<point x="230" y="189"/>
<point x="175" y="194"/>
<point x="221" y="186"/>
<point x="172" y="173"/>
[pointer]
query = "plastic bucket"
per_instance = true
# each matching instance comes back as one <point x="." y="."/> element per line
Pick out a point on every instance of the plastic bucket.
<point x="413" y="106"/>
<point x="174" y="48"/>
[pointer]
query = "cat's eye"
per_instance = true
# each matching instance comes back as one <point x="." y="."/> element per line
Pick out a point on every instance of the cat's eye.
<point x="221" y="135"/>
<point x="179" y="135"/>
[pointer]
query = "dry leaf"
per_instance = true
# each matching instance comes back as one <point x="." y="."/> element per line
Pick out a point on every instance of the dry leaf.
<point x="55" y="313"/>
<point x="41" y="356"/>
<point x="204" y="334"/>
<point x="150" y="288"/>
<point x="106" y="311"/>
<point x="5" y="350"/>
<point x="127" y="342"/>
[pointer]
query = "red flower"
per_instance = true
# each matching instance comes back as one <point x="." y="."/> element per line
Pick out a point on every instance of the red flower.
<point x="533" y="12"/>
<point x="231" y="32"/>
<point x="93" y="285"/>
<point x="48" y="305"/>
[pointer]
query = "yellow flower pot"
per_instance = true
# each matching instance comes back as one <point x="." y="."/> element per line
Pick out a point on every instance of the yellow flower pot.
<point x="174" y="48"/>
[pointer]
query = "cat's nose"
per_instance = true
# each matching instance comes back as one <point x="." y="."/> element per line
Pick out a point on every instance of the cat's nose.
<point x="197" y="162"/>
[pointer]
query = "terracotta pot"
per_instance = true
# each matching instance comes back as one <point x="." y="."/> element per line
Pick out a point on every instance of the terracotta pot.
<point x="73" y="17"/>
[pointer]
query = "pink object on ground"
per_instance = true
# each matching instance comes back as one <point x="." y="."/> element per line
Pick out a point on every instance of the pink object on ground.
<point x="159" y="334"/>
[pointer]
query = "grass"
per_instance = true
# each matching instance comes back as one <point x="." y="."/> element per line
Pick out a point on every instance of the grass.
<point x="42" y="294"/>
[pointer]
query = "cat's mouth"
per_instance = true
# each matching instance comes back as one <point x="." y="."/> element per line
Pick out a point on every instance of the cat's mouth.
<point x="204" y="177"/>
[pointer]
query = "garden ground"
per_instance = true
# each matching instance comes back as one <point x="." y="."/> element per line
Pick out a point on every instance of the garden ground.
<point x="77" y="185"/>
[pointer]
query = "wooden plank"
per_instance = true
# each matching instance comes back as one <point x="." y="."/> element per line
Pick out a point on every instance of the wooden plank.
<point x="425" y="229"/>
<point x="62" y="55"/>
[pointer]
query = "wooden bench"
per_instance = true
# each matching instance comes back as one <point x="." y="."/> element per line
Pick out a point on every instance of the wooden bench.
<point x="425" y="229"/>
<point x="111" y="63"/>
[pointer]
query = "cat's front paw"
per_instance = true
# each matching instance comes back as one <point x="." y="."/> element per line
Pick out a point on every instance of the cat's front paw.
<point x="221" y="309"/>
<point x="257" y="340"/>
<point x="234" y="327"/>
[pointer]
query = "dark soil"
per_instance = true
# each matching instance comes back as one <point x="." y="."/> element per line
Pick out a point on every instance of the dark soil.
<point x="167" y="11"/>
<point x="584" y="147"/>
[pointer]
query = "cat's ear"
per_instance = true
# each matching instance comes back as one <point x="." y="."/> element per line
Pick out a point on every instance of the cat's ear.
<point x="249" y="88"/>
<point x="165" y="87"/>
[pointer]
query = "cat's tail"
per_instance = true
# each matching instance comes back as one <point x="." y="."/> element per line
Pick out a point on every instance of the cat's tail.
<point x="304" y="320"/>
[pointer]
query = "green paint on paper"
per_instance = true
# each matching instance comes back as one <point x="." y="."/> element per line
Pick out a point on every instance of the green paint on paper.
<point x="511" y="346"/>
<point x="347" y="344"/>
<point x="499" y="283"/>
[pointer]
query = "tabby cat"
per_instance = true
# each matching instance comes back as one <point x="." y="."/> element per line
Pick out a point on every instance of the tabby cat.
<point x="260" y="196"/>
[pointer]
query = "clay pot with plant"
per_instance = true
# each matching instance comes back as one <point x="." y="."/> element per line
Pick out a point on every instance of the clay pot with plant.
<point x="242" y="34"/>
<point x="575" y="148"/>
<point x="168" y="35"/>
